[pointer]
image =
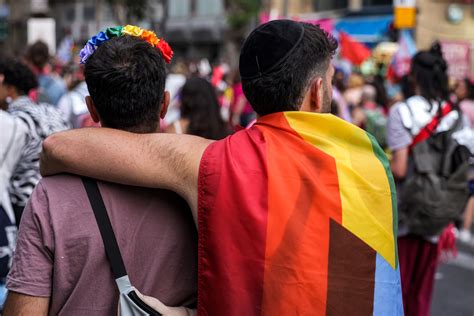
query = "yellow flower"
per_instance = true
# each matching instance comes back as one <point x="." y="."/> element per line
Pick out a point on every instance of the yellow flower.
<point x="132" y="30"/>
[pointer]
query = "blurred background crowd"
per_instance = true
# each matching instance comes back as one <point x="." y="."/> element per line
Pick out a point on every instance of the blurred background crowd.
<point x="43" y="83"/>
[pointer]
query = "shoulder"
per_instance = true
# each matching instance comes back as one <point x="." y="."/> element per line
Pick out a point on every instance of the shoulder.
<point x="398" y="126"/>
<point x="411" y="113"/>
<point x="66" y="184"/>
<point x="395" y="109"/>
<point x="65" y="101"/>
<point x="52" y="117"/>
<point x="14" y="131"/>
<point x="240" y="147"/>
<point x="121" y="198"/>
<point x="6" y="118"/>
<point x="7" y="122"/>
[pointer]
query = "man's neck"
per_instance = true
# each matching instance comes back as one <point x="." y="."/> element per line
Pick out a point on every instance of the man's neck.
<point x="158" y="129"/>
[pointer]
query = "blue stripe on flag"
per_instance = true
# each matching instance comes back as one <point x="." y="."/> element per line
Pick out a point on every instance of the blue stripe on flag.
<point x="388" y="290"/>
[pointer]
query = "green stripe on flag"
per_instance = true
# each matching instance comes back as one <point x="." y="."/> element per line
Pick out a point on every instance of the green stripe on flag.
<point x="380" y="154"/>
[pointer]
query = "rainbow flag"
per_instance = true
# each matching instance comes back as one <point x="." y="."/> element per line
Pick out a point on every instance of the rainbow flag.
<point x="297" y="216"/>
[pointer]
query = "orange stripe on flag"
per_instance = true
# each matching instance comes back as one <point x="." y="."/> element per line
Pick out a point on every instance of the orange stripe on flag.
<point x="303" y="194"/>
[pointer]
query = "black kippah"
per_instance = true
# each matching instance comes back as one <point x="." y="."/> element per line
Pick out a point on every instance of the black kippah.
<point x="268" y="46"/>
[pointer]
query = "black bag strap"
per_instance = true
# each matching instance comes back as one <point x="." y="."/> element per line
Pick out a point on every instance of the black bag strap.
<point x="106" y="231"/>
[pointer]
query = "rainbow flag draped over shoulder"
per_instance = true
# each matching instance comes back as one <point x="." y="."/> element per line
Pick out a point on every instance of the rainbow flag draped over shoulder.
<point x="297" y="216"/>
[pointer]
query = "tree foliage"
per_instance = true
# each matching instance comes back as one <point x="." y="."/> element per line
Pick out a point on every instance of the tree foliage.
<point x="241" y="12"/>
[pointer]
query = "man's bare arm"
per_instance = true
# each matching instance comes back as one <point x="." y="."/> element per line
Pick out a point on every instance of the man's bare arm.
<point x="165" y="161"/>
<point x="20" y="304"/>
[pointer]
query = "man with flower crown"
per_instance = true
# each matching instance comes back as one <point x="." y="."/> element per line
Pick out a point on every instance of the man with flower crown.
<point x="60" y="266"/>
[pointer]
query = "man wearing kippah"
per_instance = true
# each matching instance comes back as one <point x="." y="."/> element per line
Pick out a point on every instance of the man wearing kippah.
<point x="296" y="215"/>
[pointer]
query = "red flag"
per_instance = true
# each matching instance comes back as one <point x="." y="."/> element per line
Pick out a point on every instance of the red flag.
<point x="352" y="50"/>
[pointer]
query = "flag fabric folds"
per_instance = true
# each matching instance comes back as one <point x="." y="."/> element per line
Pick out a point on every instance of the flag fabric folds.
<point x="401" y="61"/>
<point x="352" y="50"/>
<point x="297" y="216"/>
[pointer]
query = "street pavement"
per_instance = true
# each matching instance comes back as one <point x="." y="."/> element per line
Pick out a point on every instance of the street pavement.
<point x="454" y="285"/>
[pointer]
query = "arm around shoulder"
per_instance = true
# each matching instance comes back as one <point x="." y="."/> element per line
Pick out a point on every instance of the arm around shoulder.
<point x="158" y="160"/>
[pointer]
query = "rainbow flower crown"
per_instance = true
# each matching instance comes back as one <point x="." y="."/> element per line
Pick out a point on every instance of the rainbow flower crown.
<point x="111" y="32"/>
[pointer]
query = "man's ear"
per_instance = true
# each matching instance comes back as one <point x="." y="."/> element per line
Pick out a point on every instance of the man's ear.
<point x="316" y="98"/>
<point x="92" y="110"/>
<point x="165" y="104"/>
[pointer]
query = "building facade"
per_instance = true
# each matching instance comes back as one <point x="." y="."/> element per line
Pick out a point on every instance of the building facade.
<point x="367" y="21"/>
<point x="196" y="28"/>
<point x="451" y="23"/>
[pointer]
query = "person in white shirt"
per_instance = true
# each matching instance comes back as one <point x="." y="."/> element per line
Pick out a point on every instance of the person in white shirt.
<point x="13" y="135"/>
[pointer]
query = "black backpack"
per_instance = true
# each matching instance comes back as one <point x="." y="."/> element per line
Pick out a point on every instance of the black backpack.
<point x="436" y="193"/>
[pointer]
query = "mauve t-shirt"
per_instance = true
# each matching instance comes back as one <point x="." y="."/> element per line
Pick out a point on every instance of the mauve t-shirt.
<point x="60" y="253"/>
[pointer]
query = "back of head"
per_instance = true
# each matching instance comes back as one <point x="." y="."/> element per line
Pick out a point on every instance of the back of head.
<point x="126" y="80"/>
<point x="38" y="54"/>
<point x="381" y="93"/>
<point x="19" y="76"/>
<point x="355" y="81"/>
<point x="428" y="70"/>
<point x="369" y="93"/>
<point x="200" y="106"/>
<point x="279" y="60"/>
<point x="470" y="89"/>
<point x="407" y="86"/>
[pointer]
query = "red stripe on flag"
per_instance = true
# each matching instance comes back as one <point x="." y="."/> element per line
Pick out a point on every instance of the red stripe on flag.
<point x="232" y="220"/>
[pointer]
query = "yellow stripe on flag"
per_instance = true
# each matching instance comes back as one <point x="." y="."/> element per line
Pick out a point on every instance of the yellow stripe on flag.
<point x="363" y="183"/>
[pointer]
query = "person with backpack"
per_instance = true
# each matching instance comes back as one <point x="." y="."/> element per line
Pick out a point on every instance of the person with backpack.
<point x="429" y="166"/>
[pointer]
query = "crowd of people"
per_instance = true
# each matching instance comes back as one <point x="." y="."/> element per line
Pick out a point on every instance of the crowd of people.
<point x="423" y="121"/>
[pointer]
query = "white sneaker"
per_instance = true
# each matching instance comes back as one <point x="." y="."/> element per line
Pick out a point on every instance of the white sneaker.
<point x="465" y="235"/>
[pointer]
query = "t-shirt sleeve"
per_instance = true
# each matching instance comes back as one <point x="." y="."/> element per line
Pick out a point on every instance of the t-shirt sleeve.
<point x="32" y="266"/>
<point x="398" y="136"/>
<point x="14" y="146"/>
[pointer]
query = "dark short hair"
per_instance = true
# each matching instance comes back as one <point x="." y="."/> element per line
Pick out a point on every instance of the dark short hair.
<point x="38" y="54"/>
<point x="284" y="89"/>
<point x="19" y="76"/>
<point x="199" y="104"/>
<point x="470" y="88"/>
<point x="126" y="80"/>
<point x="429" y="71"/>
